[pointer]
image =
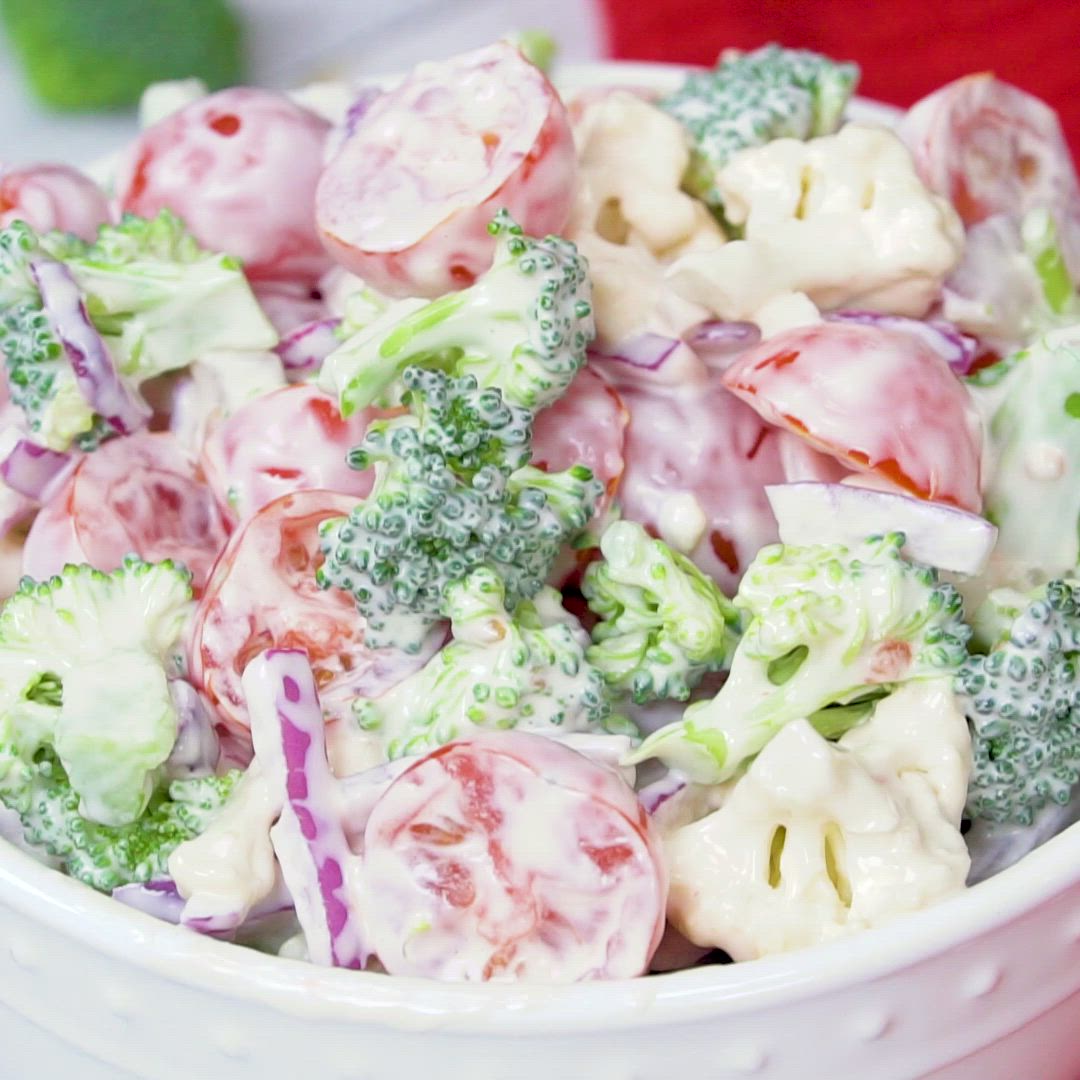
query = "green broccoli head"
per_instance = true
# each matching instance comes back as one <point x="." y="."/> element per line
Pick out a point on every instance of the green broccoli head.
<point x="40" y="376"/>
<point x="449" y="498"/>
<point x="106" y="857"/>
<point x="827" y="630"/>
<point x="664" y="624"/>
<point x="1033" y="398"/>
<point x="527" y="670"/>
<point x="84" y="659"/>
<point x="755" y="97"/>
<point x="523" y="327"/>
<point x="1022" y="699"/>
<point x="101" y="55"/>
<point x="157" y="299"/>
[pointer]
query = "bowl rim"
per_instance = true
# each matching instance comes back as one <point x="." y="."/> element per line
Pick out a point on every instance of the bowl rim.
<point x="72" y="909"/>
<point x="64" y="905"/>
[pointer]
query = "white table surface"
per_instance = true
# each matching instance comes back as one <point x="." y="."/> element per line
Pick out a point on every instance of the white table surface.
<point x="291" y="42"/>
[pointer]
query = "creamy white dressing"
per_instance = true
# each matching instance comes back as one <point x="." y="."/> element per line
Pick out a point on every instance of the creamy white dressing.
<point x="843" y="218"/>
<point x="681" y="521"/>
<point x="630" y="217"/>
<point x="231" y="866"/>
<point x="545" y="910"/>
<point x="870" y="831"/>
<point x="443" y="141"/>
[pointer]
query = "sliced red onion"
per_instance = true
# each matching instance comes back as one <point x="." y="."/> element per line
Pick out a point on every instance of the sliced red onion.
<point x="957" y="349"/>
<point x="288" y="731"/>
<point x="654" y="795"/>
<point x="303" y="350"/>
<point x="648" y="351"/>
<point x="197" y="749"/>
<point x="936" y="534"/>
<point x="35" y="471"/>
<point x="716" y="336"/>
<point x="95" y="372"/>
<point x="162" y="900"/>
<point x="224" y="924"/>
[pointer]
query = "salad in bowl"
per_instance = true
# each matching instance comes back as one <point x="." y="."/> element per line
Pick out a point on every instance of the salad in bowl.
<point x="462" y="530"/>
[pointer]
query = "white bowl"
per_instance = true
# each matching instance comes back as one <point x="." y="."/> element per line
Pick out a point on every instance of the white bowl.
<point x="985" y="986"/>
<point x="980" y="987"/>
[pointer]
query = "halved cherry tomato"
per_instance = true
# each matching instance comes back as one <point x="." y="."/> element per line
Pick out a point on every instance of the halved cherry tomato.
<point x="991" y="148"/>
<point x="510" y="856"/>
<point x="880" y="400"/>
<point x="697" y="462"/>
<point x="142" y="494"/>
<point x="586" y="426"/>
<point x="288" y="440"/>
<point x="240" y="167"/>
<point x="262" y="595"/>
<point x="406" y="201"/>
<point x="51" y="196"/>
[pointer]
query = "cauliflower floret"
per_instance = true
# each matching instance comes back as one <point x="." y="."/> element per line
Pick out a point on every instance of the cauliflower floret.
<point x="817" y="841"/>
<point x="631" y="216"/>
<point x="843" y="218"/>
<point x="632" y="159"/>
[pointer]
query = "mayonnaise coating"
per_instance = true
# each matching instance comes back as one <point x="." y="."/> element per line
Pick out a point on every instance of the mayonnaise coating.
<point x="843" y="218"/>
<point x="819" y="840"/>
<point x="630" y="216"/>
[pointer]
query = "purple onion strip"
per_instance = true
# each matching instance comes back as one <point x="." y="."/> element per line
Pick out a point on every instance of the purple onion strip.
<point x="647" y="351"/>
<point x="95" y="372"/>
<point x="309" y="839"/>
<point x="304" y="349"/>
<point x="716" y="336"/>
<point x="32" y="470"/>
<point x="162" y="900"/>
<point x="957" y="349"/>
<point x="654" y="795"/>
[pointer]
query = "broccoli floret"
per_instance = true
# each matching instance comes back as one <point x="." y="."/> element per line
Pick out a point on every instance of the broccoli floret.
<point x="100" y="55"/>
<point x="752" y="98"/>
<point x="828" y="628"/>
<point x="527" y="670"/>
<point x="84" y="659"/>
<point x="523" y="327"/>
<point x="157" y="299"/>
<point x="40" y="377"/>
<point x="105" y="857"/>
<point x="1022" y="700"/>
<point x="664" y="623"/>
<point x="450" y="496"/>
<point x="1033" y="398"/>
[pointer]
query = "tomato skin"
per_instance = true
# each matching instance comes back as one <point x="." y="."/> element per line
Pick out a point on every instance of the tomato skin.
<point x="288" y="440"/>
<point x="991" y="148"/>
<point x="52" y="196"/>
<point x="520" y="858"/>
<point x="701" y="446"/>
<point x="240" y="168"/>
<point x="406" y="201"/>
<point x="880" y="400"/>
<point x="586" y="426"/>
<point x="140" y="494"/>
<point x="262" y="594"/>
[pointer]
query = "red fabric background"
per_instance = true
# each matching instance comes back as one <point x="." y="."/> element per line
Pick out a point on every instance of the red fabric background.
<point x="905" y="49"/>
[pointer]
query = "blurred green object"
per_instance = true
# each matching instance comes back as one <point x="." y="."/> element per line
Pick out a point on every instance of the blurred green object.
<point x="101" y="54"/>
<point x="537" y="46"/>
